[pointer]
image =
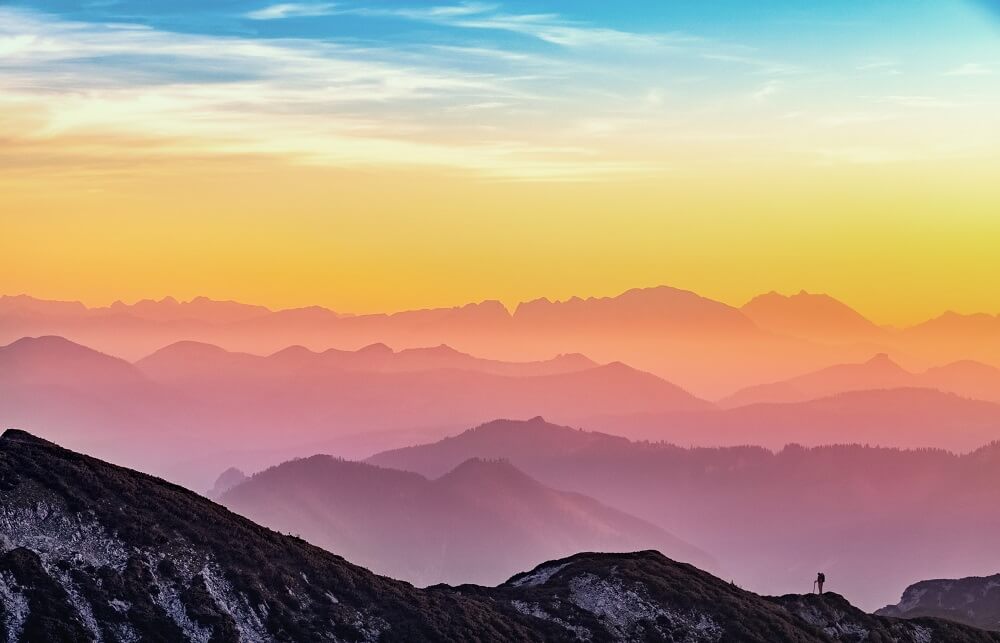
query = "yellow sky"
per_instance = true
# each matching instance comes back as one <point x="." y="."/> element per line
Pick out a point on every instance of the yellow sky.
<point x="899" y="244"/>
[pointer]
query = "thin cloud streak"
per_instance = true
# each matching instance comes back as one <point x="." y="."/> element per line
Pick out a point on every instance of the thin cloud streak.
<point x="310" y="102"/>
<point x="292" y="10"/>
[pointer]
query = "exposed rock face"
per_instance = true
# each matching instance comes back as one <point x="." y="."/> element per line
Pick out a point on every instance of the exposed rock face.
<point x="974" y="601"/>
<point x="839" y="620"/>
<point x="94" y="552"/>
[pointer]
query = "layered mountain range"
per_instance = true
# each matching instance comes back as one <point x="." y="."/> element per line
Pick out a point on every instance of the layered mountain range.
<point x="874" y="519"/>
<point x="95" y="552"/>
<point x="869" y="443"/>
<point x="705" y="346"/>
<point x="189" y="410"/>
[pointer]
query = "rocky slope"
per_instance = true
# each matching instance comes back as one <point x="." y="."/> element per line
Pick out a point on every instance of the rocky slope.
<point x="94" y="552"/>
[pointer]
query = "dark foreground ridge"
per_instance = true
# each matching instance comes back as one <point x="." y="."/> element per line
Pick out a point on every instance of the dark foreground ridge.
<point x="90" y="551"/>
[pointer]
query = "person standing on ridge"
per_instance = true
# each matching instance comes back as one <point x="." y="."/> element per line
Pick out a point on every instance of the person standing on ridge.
<point x="820" y="579"/>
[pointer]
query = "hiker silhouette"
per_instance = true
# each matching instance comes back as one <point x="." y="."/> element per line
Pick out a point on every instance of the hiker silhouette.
<point x="820" y="579"/>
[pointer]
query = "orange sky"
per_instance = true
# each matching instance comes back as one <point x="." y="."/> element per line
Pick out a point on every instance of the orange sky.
<point x="898" y="247"/>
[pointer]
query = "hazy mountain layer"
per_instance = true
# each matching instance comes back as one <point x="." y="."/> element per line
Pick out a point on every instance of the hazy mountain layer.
<point x="874" y="519"/>
<point x="480" y="523"/>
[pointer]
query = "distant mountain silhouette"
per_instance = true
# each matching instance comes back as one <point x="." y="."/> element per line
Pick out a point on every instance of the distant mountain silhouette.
<point x="964" y="378"/>
<point x="955" y="337"/>
<point x="226" y="481"/>
<point x="957" y="325"/>
<point x="168" y="309"/>
<point x="54" y="361"/>
<point x="810" y="316"/>
<point x="184" y="360"/>
<point x="197" y="309"/>
<point x="481" y="522"/>
<point x="873" y="519"/>
<point x="89" y="400"/>
<point x="880" y="372"/>
<point x="705" y="346"/>
<point x="639" y="308"/>
<point x="973" y="601"/>
<point x="27" y="306"/>
<point x="221" y="401"/>
<point x="97" y="552"/>
<point x="900" y="417"/>
<point x="967" y="378"/>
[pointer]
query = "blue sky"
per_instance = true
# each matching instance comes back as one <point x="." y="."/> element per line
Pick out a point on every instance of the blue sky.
<point x="555" y="88"/>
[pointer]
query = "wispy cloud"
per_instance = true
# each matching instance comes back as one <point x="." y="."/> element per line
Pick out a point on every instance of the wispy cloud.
<point x="547" y="27"/>
<point x="292" y="10"/>
<point x="306" y="101"/>
<point x="922" y="102"/>
<point x="880" y="66"/>
<point x="766" y="91"/>
<point x="970" y="69"/>
<point x="561" y="100"/>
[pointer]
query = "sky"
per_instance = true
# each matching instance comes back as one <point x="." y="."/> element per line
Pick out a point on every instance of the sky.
<point x="373" y="156"/>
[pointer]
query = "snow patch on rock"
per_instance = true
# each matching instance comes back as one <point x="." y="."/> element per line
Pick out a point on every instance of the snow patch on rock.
<point x="15" y="607"/>
<point x="627" y="612"/>
<point x="168" y="599"/>
<point x="54" y="533"/>
<point x="79" y="603"/>
<point x="250" y="625"/>
<point x="922" y="634"/>
<point x="539" y="576"/>
<point x="536" y="610"/>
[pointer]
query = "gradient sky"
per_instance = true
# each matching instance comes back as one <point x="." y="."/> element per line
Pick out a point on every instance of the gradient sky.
<point x="388" y="155"/>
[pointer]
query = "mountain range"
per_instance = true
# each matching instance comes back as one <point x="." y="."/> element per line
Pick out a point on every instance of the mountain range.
<point x="705" y="346"/>
<point x="95" y="552"/>
<point x="966" y="378"/>
<point x="899" y="417"/>
<point x="479" y="523"/>
<point x="194" y="400"/>
<point x="874" y="519"/>
<point x="357" y="403"/>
